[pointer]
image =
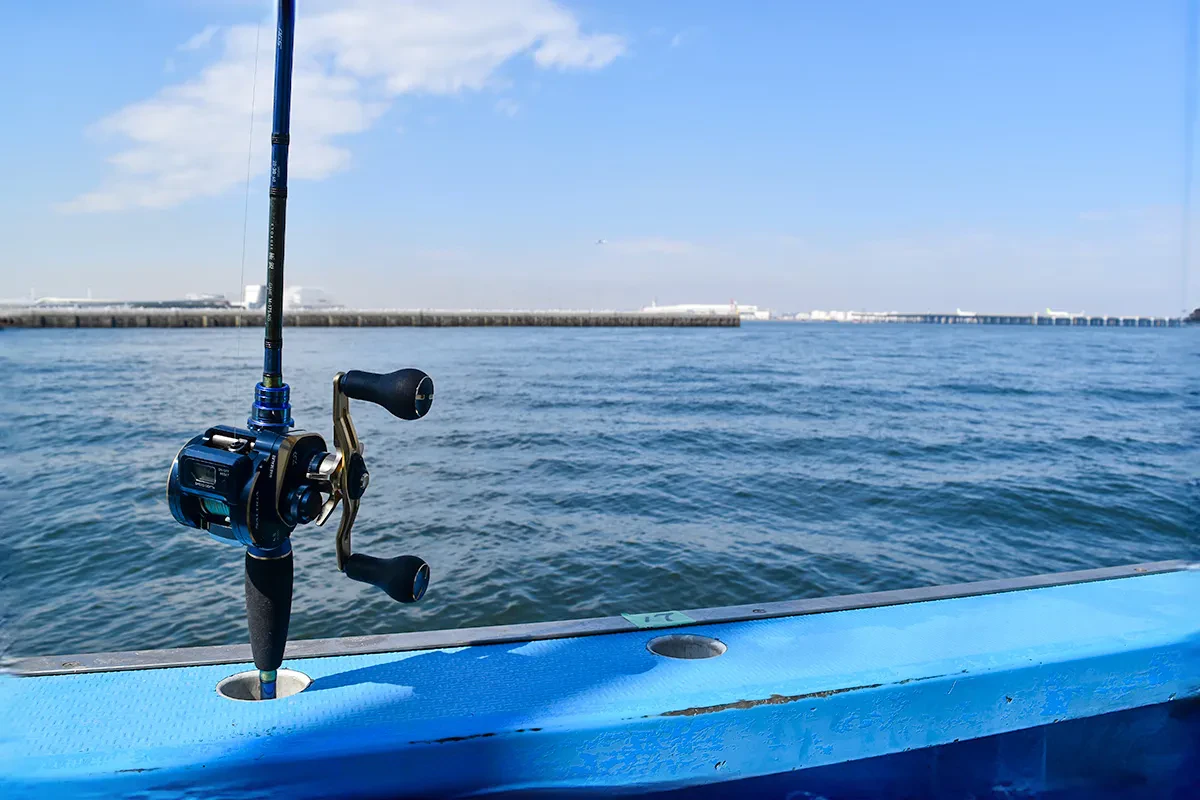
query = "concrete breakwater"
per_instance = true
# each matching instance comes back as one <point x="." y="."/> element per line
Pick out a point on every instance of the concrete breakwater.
<point x="1080" y="320"/>
<point x="342" y="318"/>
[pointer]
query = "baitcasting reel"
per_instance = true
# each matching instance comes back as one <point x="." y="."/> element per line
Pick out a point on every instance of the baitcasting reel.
<point x="253" y="487"/>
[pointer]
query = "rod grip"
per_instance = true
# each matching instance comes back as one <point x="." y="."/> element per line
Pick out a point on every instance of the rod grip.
<point x="406" y="393"/>
<point x="268" y="608"/>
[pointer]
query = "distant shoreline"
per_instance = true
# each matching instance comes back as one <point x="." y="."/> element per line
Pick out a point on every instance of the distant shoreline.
<point x="348" y="318"/>
<point x="142" y="317"/>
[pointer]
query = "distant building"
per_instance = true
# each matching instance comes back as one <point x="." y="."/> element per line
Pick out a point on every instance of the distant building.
<point x="856" y="316"/>
<point x="832" y="316"/>
<point x="191" y="301"/>
<point x="254" y="296"/>
<point x="295" y="298"/>
<point x="73" y="302"/>
<point x="306" y="297"/>
<point x="712" y="309"/>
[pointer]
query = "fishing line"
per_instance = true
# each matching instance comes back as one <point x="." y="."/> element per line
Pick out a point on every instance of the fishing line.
<point x="1189" y="135"/>
<point x="249" y="160"/>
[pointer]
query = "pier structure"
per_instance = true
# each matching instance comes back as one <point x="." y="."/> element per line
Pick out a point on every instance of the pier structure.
<point x="1065" y="320"/>
<point x="346" y="318"/>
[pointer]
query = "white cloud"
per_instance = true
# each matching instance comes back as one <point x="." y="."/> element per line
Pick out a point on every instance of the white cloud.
<point x="654" y="246"/>
<point x="683" y="36"/>
<point x="200" y="40"/>
<point x="507" y="107"/>
<point x="352" y="58"/>
<point x="572" y="51"/>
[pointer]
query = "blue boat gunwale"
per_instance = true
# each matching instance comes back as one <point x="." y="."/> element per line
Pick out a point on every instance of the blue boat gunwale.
<point x="32" y="666"/>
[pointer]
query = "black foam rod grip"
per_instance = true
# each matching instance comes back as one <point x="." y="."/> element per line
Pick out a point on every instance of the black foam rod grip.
<point x="404" y="578"/>
<point x="407" y="393"/>
<point x="268" y="608"/>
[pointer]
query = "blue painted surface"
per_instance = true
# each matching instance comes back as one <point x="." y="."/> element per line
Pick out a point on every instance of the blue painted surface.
<point x="602" y="713"/>
<point x="1147" y="753"/>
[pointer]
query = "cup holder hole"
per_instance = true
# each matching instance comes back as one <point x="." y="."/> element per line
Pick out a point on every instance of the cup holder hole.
<point x="244" y="685"/>
<point x="686" y="645"/>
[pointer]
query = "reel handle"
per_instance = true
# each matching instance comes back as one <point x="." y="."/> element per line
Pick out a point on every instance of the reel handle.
<point x="404" y="578"/>
<point x="406" y="393"/>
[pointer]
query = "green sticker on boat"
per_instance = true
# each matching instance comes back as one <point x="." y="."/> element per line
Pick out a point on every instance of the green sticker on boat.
<point x="659" y="619"/>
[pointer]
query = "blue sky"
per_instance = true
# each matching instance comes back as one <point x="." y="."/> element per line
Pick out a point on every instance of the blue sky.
<point x="998" y="156"/>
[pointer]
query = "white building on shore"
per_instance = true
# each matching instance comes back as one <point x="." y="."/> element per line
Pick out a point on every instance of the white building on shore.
<point x="295" y="298"/>
<point x="746" y="312"/>
<point x="306" y="297"/>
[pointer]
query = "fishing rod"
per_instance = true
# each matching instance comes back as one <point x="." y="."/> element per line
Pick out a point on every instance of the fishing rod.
<point x="253" y="486"/>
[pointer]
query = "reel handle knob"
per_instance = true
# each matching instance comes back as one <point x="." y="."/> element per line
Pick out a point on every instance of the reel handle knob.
<point x="406" y="393"/>
<point x="404" y="578"/>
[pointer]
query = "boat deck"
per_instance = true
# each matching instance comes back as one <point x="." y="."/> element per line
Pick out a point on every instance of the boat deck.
<point x="600" y="712"/>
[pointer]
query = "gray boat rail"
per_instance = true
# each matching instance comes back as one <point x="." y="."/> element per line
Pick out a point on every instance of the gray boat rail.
<point x="505" y="634"/>
<point x="116" y="317"/>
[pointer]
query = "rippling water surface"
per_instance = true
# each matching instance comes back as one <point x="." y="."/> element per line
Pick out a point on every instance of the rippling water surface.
<point x="571" y="473"/>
